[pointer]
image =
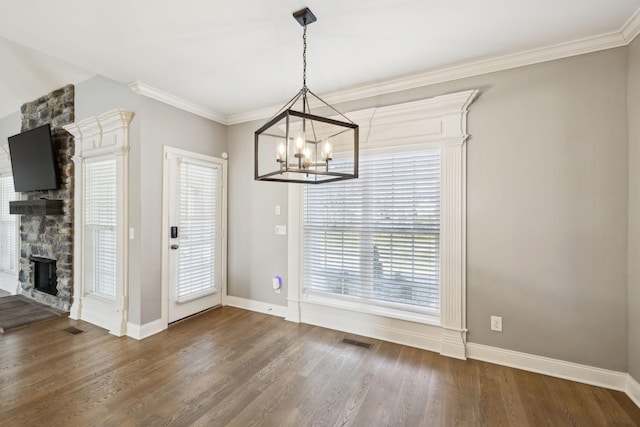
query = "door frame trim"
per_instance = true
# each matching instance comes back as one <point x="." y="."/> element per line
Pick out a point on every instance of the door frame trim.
<point x="167" y="152"/>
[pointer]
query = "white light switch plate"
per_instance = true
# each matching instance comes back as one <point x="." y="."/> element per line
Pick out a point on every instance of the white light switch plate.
<point x="281" y="229"/>
<point x="496" y="323"/>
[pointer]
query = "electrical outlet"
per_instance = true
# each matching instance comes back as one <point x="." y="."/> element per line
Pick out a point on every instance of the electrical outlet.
<point x="277" y="209"/>
<point x="496" y="323"/>
<point x="281" y="230"/>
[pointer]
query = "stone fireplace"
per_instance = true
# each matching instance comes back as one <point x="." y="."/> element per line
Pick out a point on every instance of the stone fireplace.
<point x="47" y="236"/>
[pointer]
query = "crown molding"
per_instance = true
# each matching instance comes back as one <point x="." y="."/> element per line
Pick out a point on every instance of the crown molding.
<point x="477" y="68"/>
<point x="631" y="28"/>
<point x="175" y="101"/>
<point x="627" y="33"/>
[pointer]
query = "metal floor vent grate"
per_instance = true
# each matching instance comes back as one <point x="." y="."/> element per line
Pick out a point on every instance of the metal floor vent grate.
<point x="357" y="343"/>
<point x="73" y="331"/>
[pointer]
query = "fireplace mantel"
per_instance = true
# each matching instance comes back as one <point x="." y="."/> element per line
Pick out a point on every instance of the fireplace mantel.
<point x="36" y="207"/>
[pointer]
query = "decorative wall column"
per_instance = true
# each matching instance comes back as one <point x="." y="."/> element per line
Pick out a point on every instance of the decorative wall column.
<point x="453" y="227"/>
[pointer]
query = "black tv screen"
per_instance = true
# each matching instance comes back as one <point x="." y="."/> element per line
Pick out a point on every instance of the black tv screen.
<point x="33" y="160"/>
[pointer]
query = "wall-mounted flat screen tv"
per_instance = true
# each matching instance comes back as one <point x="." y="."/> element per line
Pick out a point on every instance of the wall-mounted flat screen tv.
<point x="33" y="160"/>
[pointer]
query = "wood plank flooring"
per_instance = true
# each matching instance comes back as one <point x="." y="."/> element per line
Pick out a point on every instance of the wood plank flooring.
<point x="17" y="311"/>
<point x="238" y="368"/>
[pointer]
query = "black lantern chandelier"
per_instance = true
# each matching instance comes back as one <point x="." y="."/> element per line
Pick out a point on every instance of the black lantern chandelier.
<point x="300" y="147"/>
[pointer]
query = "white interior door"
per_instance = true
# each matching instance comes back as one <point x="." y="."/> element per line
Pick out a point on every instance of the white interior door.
<point x="194" y="234"/>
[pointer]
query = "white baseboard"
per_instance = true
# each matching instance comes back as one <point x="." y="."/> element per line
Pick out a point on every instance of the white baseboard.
<point x="141" y="332"/>
<point x="259" y="306"/>
<point x="633" y="390"/>
<point x="553" y="367"/>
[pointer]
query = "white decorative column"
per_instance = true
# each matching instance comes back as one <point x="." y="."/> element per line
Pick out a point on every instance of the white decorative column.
<point x="106" y="136"/>
<point x="293" y="254"/>
<point x="453" y="228"/>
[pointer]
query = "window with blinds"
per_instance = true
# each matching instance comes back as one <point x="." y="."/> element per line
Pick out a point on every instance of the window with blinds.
<point x="377" y="239"/>
<point x="198" y="221"/>
<point x="8" y="232"/>
<point x="100" y="227"/>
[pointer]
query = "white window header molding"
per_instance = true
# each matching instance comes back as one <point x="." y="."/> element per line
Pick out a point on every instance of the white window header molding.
<point x="437" y="119"/>
<point x="105" y="133"/>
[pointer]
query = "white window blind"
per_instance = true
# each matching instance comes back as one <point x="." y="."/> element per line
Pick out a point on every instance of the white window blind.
<point x="377" y="239"/>
<point x="8" y="230"/>
<point x="198" y="219"/>
<point x="100" y="227"/>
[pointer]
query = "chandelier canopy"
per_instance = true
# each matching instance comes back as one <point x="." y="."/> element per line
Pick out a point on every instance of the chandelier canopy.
<point x="298" y="146"/>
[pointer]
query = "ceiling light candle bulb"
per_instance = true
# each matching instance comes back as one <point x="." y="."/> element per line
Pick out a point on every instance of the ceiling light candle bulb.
<point x="299" y="143"/>
<point x="326" y="150"/>
<point x="282" y="151"/>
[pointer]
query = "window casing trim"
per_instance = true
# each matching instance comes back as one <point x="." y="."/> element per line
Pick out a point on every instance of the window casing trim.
<point x="9" y="277"/>
<point x="104" y="136"/>
<point x="441" y="120"/>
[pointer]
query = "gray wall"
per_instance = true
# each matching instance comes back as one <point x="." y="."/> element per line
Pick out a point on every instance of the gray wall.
<point x="99" y="94"/>
<point x="634" y="208"/>
<point x="154" y="124"/>
<point x="9" y="126"/>
<point x="256" y="253"/>
<point x="547" y="209"/>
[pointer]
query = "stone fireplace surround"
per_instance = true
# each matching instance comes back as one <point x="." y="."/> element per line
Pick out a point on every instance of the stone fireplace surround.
<point x="50" y="236"/>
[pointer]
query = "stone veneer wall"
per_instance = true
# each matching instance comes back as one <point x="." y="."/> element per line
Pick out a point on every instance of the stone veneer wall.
<point x="51" y="236"/>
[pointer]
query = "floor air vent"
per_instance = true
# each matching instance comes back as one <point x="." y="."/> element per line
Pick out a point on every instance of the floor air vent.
<point x="73" y="331"/>
<point x="358" y="343"/>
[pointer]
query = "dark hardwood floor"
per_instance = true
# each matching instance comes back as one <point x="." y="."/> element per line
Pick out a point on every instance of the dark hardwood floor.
<point x="238" y="368"/>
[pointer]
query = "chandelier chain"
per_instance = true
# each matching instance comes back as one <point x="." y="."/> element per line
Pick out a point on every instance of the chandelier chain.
<point x="304" y="57"/>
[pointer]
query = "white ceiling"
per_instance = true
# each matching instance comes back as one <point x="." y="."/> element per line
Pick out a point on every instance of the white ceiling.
<point x="232" y="57"/>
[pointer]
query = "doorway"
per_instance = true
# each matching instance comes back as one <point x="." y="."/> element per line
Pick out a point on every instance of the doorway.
<point x="194" y="242"/>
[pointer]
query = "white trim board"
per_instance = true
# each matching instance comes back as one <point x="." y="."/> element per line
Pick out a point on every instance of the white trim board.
<point x="625" y="35"/>
<point x="633" y="390"/>
<point x="258" y="306"/>
<point x="545" y="365"/>
<point x="141" y="332"/>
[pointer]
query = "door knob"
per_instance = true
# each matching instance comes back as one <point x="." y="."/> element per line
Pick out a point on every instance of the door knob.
<point x="174" y="247"/>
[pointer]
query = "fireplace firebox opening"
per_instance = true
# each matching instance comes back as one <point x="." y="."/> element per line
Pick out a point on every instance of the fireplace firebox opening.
<point x="44" y="275"/>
